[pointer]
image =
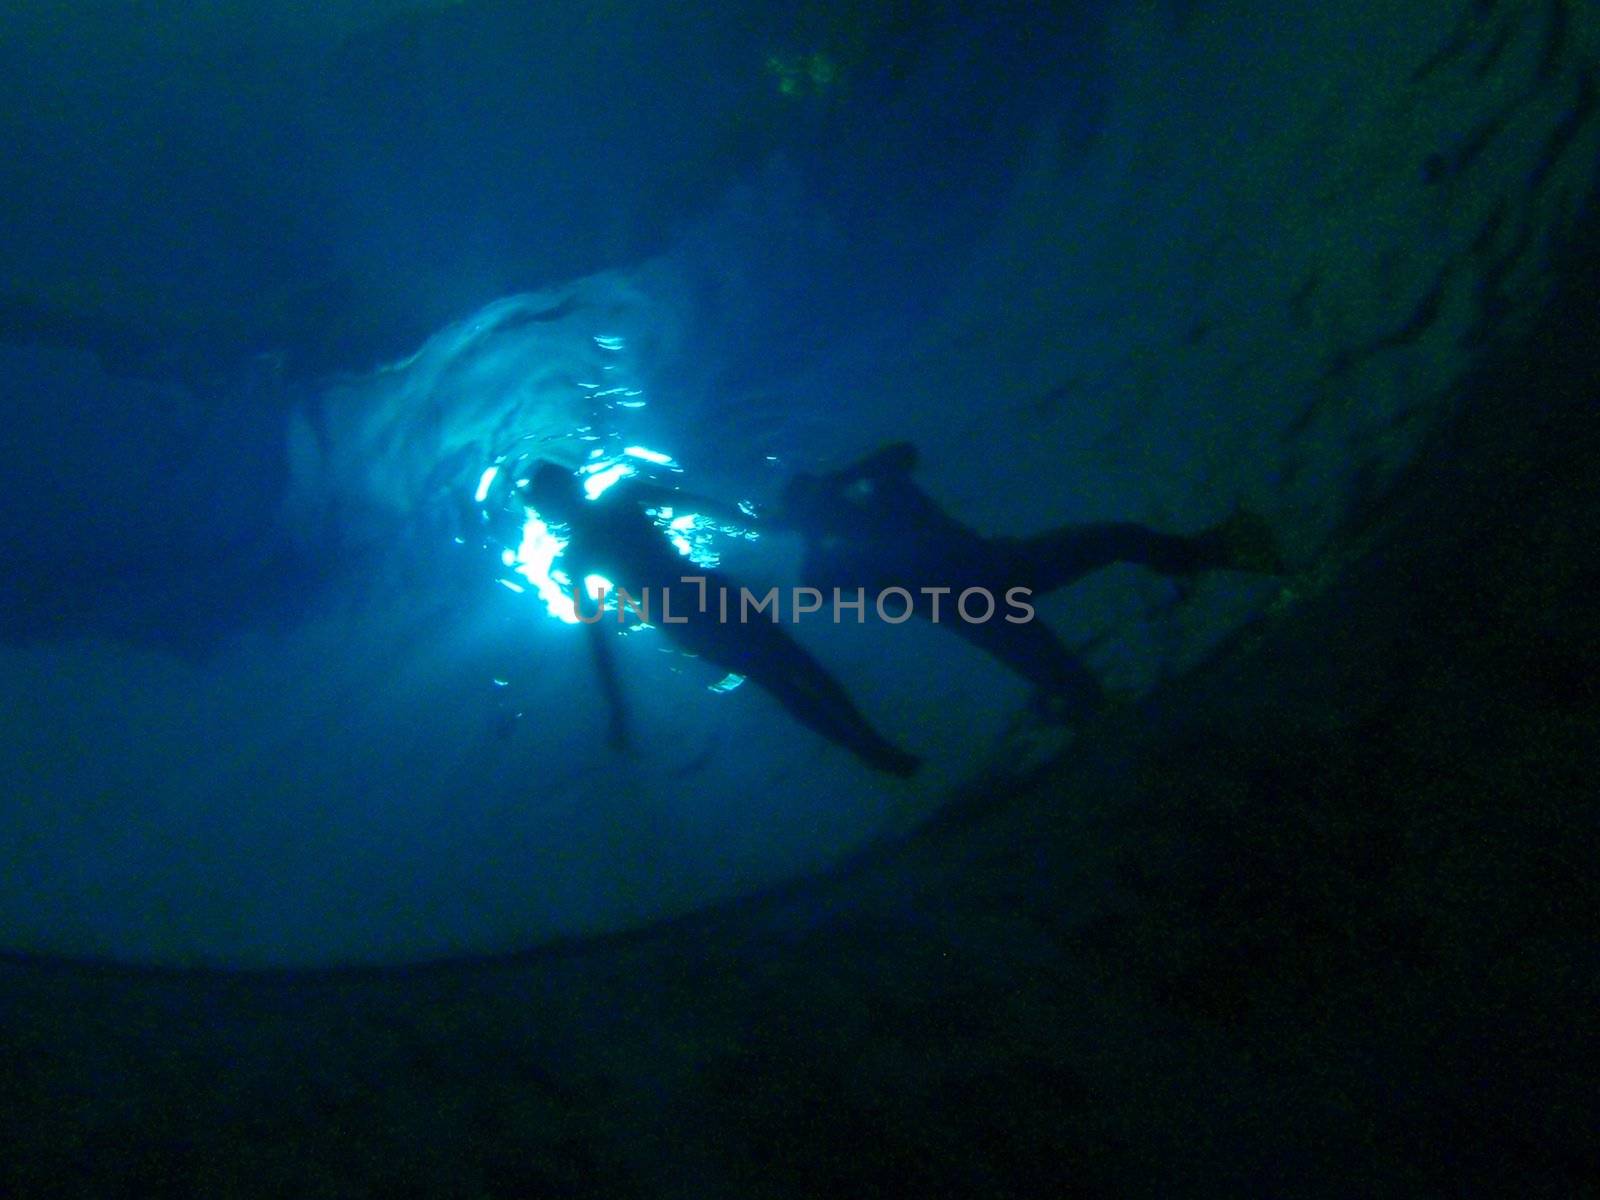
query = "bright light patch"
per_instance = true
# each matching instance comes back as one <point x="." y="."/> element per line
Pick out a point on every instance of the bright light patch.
<point x="690" y="535"/>
<point x="485" y="482"/>
<point x="653" y="456"/>
<point x="534" y="559"/>
<point x="595" y="486"/>
<point x="727" y="683"/>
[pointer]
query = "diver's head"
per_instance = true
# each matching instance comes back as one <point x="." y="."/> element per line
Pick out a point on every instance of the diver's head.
<point x="551" y="490"/>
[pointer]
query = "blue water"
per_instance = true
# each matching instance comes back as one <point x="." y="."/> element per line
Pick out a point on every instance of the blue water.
<point x="249" y="265"/>
<point x="330" y="863"/>
<point x="278" y="288"/>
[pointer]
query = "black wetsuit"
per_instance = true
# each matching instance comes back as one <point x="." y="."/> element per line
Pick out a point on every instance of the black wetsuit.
<point x="614" y="537"/>
<point x="870" y="526"/>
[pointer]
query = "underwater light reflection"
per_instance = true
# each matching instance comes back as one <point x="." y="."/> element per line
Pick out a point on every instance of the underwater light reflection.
<point x="540" y="545"/>
<point x="535" y="559"/>
<point x="595" y="486"/>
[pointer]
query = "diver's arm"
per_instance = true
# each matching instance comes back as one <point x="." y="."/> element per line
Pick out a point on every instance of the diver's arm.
<point x="618" y="734"/>
<point x="578" y="567"/>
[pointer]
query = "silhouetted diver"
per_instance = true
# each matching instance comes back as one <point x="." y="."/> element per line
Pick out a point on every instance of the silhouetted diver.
<point x="613" y="536"/>
<point x="870" y="526"/>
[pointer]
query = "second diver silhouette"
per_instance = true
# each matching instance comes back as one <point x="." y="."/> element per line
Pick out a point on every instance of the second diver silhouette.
<point x="613" y="536"/>
<point x="870" y="526"/>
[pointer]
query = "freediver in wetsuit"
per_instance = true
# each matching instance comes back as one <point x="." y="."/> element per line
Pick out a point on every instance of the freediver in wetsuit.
<point x="870" y="526"/>
<point x="613" y="536"/>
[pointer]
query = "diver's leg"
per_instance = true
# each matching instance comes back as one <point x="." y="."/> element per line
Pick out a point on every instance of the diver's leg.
<point x="819" y="702"/>
<point x="1048" y="561"/>
<point x="1032" y="649"/>
<point x="769" y="657"/>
